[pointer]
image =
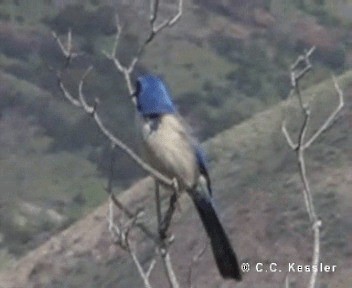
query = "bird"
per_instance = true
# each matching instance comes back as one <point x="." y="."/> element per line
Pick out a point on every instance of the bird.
<point x="168" y="146"/>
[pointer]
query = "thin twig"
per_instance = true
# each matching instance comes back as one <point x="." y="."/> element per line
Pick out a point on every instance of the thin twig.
<point x="155" y="29"/>
<point x="130" y="214"/>
<point x="127" y="70"/>
<point x="121" y="235"/>
<point x="66" y="94"/>
<point x="165" y="222"/>
<point x="170" y="272"/>
<point x="116" y="42"/>
<point x="151" y="268"/>
<point x="333" y="116"/>
<point x="141" y="272"/>
<point x="288" y="137"/>
<point x="154" y="6"/>
<point x="66" y="50"/>
<point x="122" y="238"/>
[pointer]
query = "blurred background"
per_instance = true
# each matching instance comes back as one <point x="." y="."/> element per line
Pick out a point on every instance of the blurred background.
<point x="225" y="61"/>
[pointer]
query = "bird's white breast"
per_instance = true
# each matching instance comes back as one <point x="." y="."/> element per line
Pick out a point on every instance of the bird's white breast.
<point x="168" y="148"/>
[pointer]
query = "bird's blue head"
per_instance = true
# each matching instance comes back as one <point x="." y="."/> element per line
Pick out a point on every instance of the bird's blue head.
<point x="153" y="97"/>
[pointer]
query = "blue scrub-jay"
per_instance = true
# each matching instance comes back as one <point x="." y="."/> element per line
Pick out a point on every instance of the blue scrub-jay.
<point x="168" y="147"/>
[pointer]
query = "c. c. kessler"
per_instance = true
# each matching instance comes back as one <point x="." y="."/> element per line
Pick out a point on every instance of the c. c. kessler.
<point x="326" y="268"/>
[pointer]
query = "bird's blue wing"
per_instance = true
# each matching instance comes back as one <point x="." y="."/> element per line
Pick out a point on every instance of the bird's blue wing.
<point x="202" y="164"/>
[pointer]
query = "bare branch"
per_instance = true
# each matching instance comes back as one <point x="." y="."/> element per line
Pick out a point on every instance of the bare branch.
<point x="330" y="120"/>
<point x="306" y="188"/>
<point x="122" y="238"/>
<point x="316" y="252"/>
<point x="82" y="99"/>
<point x="132" y="223"/>
<point x="302" y="144"/>
<point x="68" y="54"/>
<point x="287" y="136"/>
<point x="170" y="22"/>
<point x="127" y="70"/>
<point x="112" y="54"/>
<point x="114" y="201"/>
<point x="65" y="92"/>
<point x="166" y="220"/>
<point x="130" y="214"/>
<point x="154" y="6"/>
<point x="151" y="267"/>
<point x="302" y="166"/>
<point x="170" y="272"/>
<point x="66" y="51"/>
<point x="302" y="59"/>
<point x="118" y="34"/>
<point x="163" y="226"/>
<point x="120" y="233"/>
<point x="141" y="272"/>
<point x="178" y="15"/>
<point x="296" y="76"/>
<point x="158" y="203"/>
<point x="154" y="30"/>
<point x="113" y="228"/>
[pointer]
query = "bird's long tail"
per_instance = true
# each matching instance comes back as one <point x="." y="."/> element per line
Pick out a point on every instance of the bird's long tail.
<point x="225" y="257"/>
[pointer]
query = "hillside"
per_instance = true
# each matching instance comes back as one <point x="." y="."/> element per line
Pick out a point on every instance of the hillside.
<point x="257" y="190"/>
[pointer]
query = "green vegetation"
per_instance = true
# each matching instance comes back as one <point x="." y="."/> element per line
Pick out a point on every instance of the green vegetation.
<point x="42" y="190"/>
